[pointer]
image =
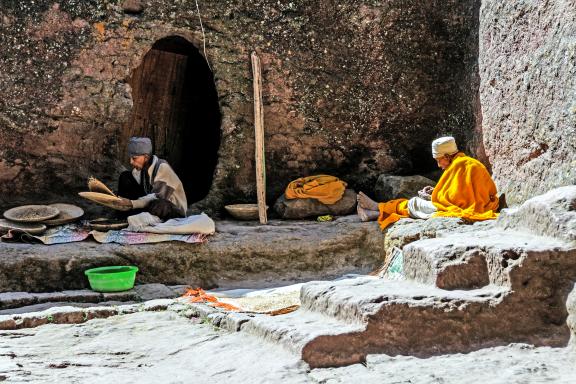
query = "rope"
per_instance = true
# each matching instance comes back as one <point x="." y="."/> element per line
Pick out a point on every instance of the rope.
<point x="203" y="35"/>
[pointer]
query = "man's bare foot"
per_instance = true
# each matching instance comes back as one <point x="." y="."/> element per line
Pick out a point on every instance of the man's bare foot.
<point x="366" y="202"/>
<point x="367" y="215"/>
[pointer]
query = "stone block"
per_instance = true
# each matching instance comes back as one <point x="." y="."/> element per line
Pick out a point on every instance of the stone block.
<point x="154" y="291"/>
<point x="46" y="297"/>
<point x="306" y="208"/>
<point x="16" y="299"/>
<point x="130" y="295"/>
<point x="571" y="320"/>
<point x="82" y="296"/>
<point x="390" y="187"/>
<point x="551" y="214"/>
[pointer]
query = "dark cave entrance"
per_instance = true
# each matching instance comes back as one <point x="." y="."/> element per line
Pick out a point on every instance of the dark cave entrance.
<point x="176" y="105"/>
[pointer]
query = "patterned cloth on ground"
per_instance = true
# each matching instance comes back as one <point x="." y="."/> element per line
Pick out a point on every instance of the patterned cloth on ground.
<point x="129" y="238"/>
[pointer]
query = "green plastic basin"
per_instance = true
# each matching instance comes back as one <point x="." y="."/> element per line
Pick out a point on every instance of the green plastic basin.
<point x="111" y="279"/>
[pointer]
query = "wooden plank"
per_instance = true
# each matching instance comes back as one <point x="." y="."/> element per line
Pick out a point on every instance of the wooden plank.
<point x="259" y="134"/>
<point x="157" y="88"/>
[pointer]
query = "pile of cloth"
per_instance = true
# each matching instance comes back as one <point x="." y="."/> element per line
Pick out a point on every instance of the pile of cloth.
<point x="316" y="196"/>
<point x="324" y="188"/>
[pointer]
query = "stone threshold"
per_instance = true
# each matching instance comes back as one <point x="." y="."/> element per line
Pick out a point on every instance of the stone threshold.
<point x="23" y="302"/>
<point x="74" y="315"/>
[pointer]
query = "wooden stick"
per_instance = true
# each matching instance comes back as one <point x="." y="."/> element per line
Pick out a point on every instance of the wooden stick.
<point x="259" y="132"/>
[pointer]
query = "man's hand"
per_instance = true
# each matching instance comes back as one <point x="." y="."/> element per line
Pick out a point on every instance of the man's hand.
<point x="426" y="192"/>
<point x="123" y="204"/>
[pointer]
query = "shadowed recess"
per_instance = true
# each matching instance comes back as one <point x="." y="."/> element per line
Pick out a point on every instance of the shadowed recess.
<point x="176" y="105"/>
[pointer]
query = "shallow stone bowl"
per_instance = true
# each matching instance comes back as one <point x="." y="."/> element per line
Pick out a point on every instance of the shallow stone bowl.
<point x="243" y="211"/>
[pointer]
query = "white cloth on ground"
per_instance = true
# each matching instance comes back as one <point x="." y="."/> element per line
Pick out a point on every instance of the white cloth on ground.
<point x="419" y="208"/>
<point x="142" y="220"/>
<point x="145" y="222"/>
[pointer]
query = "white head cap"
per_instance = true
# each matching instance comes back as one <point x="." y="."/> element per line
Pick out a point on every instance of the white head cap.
<point x="444" y="146"/>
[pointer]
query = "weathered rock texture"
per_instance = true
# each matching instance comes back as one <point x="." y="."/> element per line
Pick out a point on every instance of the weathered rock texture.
<point x="353" y="88"/>
<point x="571" y="307"/>
<point x="389" y="187"/>
<point x="237" y="255"/>
<point x="528" y="77"/>
<point x="463" y="292"/>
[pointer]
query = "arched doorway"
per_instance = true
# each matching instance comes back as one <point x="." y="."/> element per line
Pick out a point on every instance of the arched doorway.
<point x="176" y="105"/>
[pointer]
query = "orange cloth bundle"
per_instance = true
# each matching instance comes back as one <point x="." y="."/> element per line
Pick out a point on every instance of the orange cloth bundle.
<point x="466" y="190"/>
<point x="324" y="188"/>
<point x="392" y="211"/>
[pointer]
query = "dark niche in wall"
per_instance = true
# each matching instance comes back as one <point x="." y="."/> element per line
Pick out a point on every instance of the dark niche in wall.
<point x="176" y="105"/>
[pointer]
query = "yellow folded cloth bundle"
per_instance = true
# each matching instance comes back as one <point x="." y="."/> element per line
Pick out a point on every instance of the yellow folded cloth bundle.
<point x="324" y="188"/>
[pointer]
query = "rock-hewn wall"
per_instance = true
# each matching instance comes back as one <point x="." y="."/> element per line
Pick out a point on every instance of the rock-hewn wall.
<point x="527" y="66"/>
<point x="351" y="88"/>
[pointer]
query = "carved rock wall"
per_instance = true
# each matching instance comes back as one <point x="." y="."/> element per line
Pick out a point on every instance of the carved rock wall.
<point x="527" y="90"/>
<point x="352" y="88"/>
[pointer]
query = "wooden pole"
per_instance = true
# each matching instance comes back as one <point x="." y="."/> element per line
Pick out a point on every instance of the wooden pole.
<point x="259" y="133"/>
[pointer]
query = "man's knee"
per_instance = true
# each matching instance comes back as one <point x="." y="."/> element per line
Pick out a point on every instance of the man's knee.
<point x="164" y="209"/>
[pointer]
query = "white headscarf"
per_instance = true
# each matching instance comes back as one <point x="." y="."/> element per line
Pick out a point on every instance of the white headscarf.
<point x="444" y="146"/>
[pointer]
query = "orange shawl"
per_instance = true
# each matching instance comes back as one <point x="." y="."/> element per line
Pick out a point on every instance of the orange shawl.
<point x="465" y="190"/>
<point x="326" y="189"/>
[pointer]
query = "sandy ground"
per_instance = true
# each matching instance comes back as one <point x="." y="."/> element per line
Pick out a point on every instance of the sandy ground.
<point x="162" y="347"/>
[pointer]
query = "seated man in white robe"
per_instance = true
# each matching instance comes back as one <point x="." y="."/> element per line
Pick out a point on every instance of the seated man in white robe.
<point x="152" y="185"/>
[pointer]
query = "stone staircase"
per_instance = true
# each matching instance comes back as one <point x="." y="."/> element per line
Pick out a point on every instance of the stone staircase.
<point x="464" y="291"/>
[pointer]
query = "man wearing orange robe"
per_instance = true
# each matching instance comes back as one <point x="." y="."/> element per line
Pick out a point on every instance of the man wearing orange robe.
<point x="464" y="190"/>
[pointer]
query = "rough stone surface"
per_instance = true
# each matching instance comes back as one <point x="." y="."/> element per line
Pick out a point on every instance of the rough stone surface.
<point x="132" y="6"/>
<point x="528" y="77"/>
<point x="407" y="231"/>
<point x="40" y="307"/>
<point x="167" y="347"/>
<point x="15" y="299"/>
<point x="239" y="254"/>
<point x="389" y="187"/>
<point x="571" y="307"/>
<point x="551" y="214"/>
<point x="305" y="208"/>
<point x="356" y="87"/>
<point x="522" y="284"/>
<point x="154" y="291"/>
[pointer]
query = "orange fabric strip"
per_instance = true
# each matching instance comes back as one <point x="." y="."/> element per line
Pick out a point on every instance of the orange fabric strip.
<point x="392" y="211"/>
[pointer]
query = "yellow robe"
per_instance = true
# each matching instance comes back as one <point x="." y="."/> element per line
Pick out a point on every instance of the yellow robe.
<point x="465" y="190"/>
<point x="326" y="189"/>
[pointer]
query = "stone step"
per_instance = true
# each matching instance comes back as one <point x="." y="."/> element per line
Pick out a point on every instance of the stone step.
<point x="22" y="302"/>
<point x="360" y="298"/>
<point x="340" y="322"/>
<point x="473" y="260"/>
<point x="467" y="258"/>
<point x="239" y="254"/>
<point x="295" y="330"/>
<point x="337" y="320"/>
